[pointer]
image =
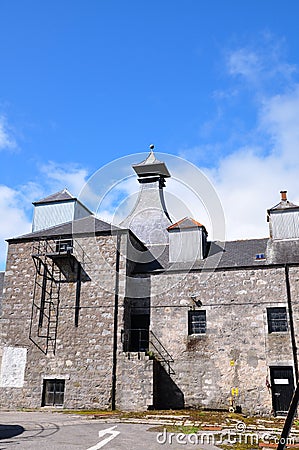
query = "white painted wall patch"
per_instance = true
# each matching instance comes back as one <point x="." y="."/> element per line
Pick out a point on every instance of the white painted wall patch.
<point x="13" y="367"/>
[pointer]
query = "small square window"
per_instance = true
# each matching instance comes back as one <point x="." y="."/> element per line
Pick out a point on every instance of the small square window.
<point x="53" y="392"/>
<point x="260" y="256"/>
<point x="64" y="246"/>
<point x="197" y="322"/>
<point x="277" y="320"/>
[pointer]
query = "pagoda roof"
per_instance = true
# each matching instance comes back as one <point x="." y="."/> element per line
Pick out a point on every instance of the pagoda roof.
<point x="151" y="166"/>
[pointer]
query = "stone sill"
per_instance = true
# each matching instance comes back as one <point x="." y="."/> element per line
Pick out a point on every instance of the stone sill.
<point x="197" y="335"/>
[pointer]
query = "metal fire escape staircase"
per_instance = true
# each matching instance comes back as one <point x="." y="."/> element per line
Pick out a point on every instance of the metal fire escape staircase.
<point x="145" y="341"/>
<point x="160" y="353"/>
<point x="56" y="262"/>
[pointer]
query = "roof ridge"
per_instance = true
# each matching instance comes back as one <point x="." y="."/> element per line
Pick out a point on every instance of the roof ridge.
<point x="62" y="195"/>
<point x="177" y="224"/>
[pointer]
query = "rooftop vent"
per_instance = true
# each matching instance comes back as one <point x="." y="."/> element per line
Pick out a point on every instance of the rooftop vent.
<point x="260" y="256"/>
<point x="283" y="219"/>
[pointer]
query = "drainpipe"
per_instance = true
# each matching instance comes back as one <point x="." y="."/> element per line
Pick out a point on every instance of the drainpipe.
<point x="116" y="298"/>
<point x="78" y="293"/>
<point x="292" y="330"/>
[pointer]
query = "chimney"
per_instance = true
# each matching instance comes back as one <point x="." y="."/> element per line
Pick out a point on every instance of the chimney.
<point x="149" y="218"/>
<point x="283" y="196"/>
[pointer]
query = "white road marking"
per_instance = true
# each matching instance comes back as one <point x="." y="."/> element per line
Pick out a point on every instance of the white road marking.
<point x="113" y="433"/>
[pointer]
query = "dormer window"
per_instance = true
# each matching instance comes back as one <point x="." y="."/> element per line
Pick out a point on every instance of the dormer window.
<point x="260" y="256"/>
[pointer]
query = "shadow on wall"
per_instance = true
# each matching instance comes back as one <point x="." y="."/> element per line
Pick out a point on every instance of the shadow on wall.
<point x="10" y="431"/>
<point x="167" y="395"/>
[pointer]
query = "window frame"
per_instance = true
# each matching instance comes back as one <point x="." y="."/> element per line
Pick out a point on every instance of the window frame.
<point x="64" y="246"/>
<point x="56" y="392"/>
<point x="192" y="324"/>
<point x="277" y="324"/>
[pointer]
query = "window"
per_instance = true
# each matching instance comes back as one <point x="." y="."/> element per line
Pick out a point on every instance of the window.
<point x="64" y="245"/>
<point x="259" y="256"/>
<point x="53" y="392"/>
<point x="197" y="322"/>
<point x="277" y="320"/>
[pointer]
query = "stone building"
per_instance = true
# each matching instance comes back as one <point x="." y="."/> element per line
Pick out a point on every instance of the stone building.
<point x="150" y="314"/>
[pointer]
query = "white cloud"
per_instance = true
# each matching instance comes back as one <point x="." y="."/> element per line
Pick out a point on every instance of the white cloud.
<point x="245" y="63"/>
<point x="16" y="204"/>
<point x="15" y="220"/>
<point x="279" y="117"/>
<point x="7" y="140"/>
<point x="69" y="175"/>
<point x="249" y="178"/>
<point x="260" y="61"/>
<point x="248" y="182"/>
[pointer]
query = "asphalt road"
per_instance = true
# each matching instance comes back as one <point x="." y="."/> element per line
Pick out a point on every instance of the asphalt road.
<point x="54" y="431"/>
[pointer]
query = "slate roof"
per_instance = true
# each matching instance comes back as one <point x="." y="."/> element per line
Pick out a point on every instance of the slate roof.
<point x="151" y="166"/>
<point x="187" y="222"/>
<point x="87" y="226"/>
<point x="231" y="254"/>
<point x="228" y="255"/>
<point x="241" y="253"/>
<point x="284" y="204"/>
<point x="60" y="196"/>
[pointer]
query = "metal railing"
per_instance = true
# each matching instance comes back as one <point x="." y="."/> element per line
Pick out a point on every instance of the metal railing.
<point x="61" y="247"/>
<point x="145" y="340"/>
<point x="160" y="352"/>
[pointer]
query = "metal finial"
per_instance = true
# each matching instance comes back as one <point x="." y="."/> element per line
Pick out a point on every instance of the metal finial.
<point x="152" y="147"/>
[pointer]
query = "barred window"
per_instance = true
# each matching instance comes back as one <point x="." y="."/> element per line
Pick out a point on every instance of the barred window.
<point x="277" y="320"/>
<point x="197" y="322"/>
<point x="53" y="392"/>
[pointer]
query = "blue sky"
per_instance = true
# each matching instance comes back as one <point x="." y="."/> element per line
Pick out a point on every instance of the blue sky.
<point x="85" y="82"/>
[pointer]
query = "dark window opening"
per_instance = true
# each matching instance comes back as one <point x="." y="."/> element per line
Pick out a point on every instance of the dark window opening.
<point x="137" y="337"/>
<point x="197" y="322"/>
<point x="53" y="392"/>
<point x="64" y="246"/>
<point x="277" y="320"/>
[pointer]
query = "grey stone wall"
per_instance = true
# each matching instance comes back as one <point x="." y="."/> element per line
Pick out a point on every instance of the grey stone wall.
<point x="83" y="354"/>
<point x="236" y="351"/>
<point x="1" y="290"/>
<point x="134" y="382"/>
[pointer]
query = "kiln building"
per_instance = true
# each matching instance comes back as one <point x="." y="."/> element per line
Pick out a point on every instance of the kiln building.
<point x="150" y="314"/>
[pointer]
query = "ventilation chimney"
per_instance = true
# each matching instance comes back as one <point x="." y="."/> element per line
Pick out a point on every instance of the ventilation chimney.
<point x="56" y="209"/>
<point x="283" y="219"/>
<point x="187" y="241"/>
<point x="149" y="218"/>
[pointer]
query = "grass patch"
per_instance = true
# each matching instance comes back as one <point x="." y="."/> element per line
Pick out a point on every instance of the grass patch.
<point x="188" y="429"/>
<point x="239" y="446"/>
